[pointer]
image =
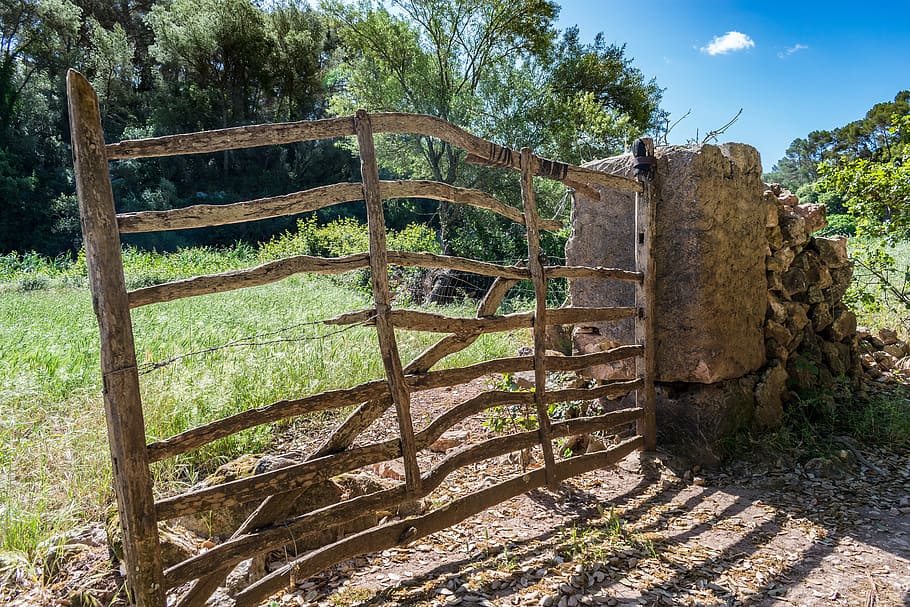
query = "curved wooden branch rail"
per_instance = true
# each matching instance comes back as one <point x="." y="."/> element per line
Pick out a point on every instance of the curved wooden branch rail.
<point x="274" y="271"/>
<point x="479" y="150"/>
<point x="414" y="320"/>
<point x="376" y="390"/>
<point x="207" y="215"/>
<point x="202" y="435"/>
<point x="232" y="138"/>
<point x="270" y="538"/>
<point x="486" y="152"/>
<point x="311" y="472"/>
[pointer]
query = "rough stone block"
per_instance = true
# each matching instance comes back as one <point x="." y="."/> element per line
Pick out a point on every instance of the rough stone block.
<point x="709" y="254"/>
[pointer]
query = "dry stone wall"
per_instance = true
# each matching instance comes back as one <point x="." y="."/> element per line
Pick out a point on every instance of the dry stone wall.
<point x="748" y="304"/>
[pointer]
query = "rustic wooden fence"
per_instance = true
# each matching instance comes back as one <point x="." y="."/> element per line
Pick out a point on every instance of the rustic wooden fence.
<point x="274" y="524"/>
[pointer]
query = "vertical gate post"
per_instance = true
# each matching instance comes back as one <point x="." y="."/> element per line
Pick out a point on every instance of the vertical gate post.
<point x="535" y="265"/>
<point x="646" y="164"/>
<point x="379" y="269"/>
<point x="122" y="402"/>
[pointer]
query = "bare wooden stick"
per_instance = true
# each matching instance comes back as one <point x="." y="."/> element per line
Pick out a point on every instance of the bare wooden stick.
<point x="460" y="375"/>
<point x="204" y="215"/>
<point x="435" y="190"/>
<point x="274" y="271"/>
<point x="316" y="470"/>
<point x="487" y="152"/>
<point x="598" y="272"/>
<point x="264" y="274"/>
<point x="382" y="295"/>
<point x="644" y="300"/>
<point x="204" y="434"/>
<point x="235" y="550"/>
<point x="416" y="528"/>
<point x="122" y="401"/>
<point x="414" y="320"/>
<point x="540" y="312"/>
<point x="232" y="138"/>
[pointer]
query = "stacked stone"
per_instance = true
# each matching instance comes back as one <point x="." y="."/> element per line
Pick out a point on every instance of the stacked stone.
<point x="810" y="335"/>
<point x="883" y="355"/>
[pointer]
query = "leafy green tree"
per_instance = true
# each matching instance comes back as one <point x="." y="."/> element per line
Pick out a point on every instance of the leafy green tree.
<point x="877" y="193"/>
<point x="498" y="69"/>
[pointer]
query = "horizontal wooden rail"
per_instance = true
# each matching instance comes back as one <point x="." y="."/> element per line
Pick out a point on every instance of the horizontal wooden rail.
<point x="435" y="190"/>
<point x="208" y="215"/>
<point x="460" y="375"/>
<point x="271" y="538"/>
<point x="202" y="435"/>
<point x="486" y="152"/>
<point x="375" y="390"/>
<point x="264" y="274"/>
<point x="274" y="271"/>
<point x="232" y="138"/>
<point x="311" y="472"/>
<point x="413" y="320"/>
<point x="479" y="150"/>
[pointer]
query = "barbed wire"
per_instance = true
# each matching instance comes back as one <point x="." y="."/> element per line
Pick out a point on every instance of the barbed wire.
<point x="252" y="341"/>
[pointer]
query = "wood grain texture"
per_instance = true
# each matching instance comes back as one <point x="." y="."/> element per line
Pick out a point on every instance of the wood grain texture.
<point x="382" y="297"/>
<point x="539" y="280"/>
<point x="486" y="152"/>
<point x="645" y="226"/>
<point x="414" y="320"/>
<point x="206" y="433"/>
<point x="318" y="470"/>
<point x="232" y="138"/>
<point x="235" y="550"/>
<point x="435" y="190"/>
<point x="390" y="535"/>
<point x="207" y="215"/>
<point x="122" y="401"/>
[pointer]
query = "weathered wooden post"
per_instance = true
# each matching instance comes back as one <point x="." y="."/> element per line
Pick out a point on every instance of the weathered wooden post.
<point x="535" y="265"/>
<point x="643" y="150"/>
<point x="382" y="295"/>
<point x="122" y="403"/>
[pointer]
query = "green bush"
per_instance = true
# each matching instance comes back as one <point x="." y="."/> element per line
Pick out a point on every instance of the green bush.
<point x="839" y="225"/>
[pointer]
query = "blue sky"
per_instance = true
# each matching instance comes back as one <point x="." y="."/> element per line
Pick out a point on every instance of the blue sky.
<point x="793" y="67"/>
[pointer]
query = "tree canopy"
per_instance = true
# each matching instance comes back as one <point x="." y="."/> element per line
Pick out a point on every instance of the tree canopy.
<point x="499" y="68"/>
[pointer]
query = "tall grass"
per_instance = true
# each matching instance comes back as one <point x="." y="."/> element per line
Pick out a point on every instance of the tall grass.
<point x="54" y="463"/>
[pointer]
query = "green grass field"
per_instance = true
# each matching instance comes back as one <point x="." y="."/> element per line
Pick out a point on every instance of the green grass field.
<point x="54" y="465"/>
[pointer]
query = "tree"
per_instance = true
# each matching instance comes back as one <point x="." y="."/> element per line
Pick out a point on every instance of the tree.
<point x="495" y="68"/>
<point x="877" y="193"/>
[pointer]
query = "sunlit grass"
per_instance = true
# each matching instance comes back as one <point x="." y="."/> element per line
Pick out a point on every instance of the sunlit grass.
<point x="54" y="464"/>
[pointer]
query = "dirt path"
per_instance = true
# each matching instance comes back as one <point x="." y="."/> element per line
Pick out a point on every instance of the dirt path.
<point x="642" y="533"/>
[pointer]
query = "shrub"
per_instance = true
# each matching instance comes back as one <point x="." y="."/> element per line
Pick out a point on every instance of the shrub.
<point x="839" y="225"/>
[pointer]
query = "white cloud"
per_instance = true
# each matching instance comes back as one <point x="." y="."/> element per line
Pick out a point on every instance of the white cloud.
<point x="728" y="43"/>
<point x="793" y="49"/>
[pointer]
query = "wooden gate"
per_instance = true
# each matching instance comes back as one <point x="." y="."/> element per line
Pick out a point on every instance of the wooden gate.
<point x="274" y="522"/>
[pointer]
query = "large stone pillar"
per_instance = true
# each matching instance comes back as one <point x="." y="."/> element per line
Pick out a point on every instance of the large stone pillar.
<point x="710" y="246"/>
<point x="711" y="288"/>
